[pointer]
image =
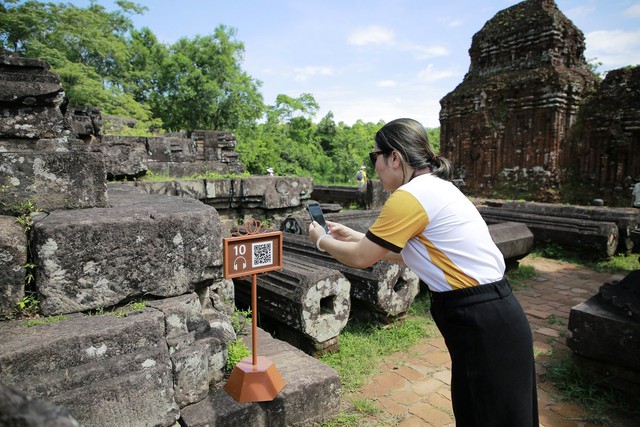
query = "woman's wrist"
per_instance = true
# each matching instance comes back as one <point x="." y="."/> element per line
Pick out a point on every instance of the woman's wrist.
<point x="322" y="236"/>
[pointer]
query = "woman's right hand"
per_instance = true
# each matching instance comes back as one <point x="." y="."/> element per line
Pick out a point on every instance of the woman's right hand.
<point x="343" y="233"/>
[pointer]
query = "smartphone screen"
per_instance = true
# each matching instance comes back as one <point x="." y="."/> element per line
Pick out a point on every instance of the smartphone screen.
<point x="316" y="215"/>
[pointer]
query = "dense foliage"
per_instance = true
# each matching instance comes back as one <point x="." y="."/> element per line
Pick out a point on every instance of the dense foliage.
<point x="104" y="61"/>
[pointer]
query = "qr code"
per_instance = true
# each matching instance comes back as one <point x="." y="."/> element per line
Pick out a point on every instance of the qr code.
<point x="262" y="254"/>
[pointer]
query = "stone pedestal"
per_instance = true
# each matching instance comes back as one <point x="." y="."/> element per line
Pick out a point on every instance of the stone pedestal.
<point x="606" y="342"/>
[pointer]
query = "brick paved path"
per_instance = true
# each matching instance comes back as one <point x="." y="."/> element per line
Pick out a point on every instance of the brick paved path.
<point x="412" y="387"/>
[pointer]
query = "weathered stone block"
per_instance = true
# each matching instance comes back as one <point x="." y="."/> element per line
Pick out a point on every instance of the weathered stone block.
<point x="304" y="376"/>
<point x="385" y="288"/>
<point x="142" y="245"/>
<point x="215" y="349"/>
<point x="171" y="149"/>
<point x="123" y="155"/>
<point x="514" y="239"/>
<point x="600" y="333"/>
<point x="220" y="192"/>
<point x="33" y="122"/>
<point x="84" y="121"/>
<point x="198" y="350"/>
<point x="103" y="369"/>
<point x="255" y="192"/>
<point x="19" y="145"/>
<point x="195" y="188"/>
<point x="218" y="304"/>
<point x="271" y="193"/>
<point x="312" y="299"/>
<point x="31" y="98"/>
<point x="180" y="312"/>
<point x="13" y="258"/>
<point x="27" y="81"/>
<point x="190" y="375"/>
<point x="52" y="180"/>
<point x="20" y="409"/>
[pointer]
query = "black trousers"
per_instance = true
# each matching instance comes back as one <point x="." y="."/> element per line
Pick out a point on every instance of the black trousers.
<point x="493" y="379"/>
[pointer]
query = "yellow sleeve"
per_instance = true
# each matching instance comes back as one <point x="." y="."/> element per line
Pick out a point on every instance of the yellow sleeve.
<point x="402" y="218"/>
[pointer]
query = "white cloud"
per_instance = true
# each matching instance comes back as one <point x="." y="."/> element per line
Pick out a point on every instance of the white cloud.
<point x="425" y="52"/>
<point x="430" y="74"/>
<point x="633" y="11"/>
<point x="449" y="23"/>
<point x="348" y="107"/>
<point x="374" y="34"/>
<point x="580" y="11"/>
<point x="387" y="83"/>
<point x="614" y="49"/>
<point x="304" y="73"/>
<point x="381" y="36"/>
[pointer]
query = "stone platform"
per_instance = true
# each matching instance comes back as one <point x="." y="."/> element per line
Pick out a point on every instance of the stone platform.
<point x="310" y="396"/>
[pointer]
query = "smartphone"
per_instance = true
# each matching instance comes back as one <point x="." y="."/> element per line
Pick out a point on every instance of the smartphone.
<point x="315" y="211"/>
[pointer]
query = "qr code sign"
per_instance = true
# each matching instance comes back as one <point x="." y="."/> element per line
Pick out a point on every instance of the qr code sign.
<point x="262" y="254"/>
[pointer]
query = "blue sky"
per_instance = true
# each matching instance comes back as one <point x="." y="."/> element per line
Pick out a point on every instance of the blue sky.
<point x="374" y="59"/>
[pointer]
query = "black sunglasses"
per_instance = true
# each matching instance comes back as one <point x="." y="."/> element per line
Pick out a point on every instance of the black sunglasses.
<point x="373" y="156"/>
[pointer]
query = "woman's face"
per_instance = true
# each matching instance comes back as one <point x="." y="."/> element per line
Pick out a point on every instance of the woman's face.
<point x="386" y="171"/>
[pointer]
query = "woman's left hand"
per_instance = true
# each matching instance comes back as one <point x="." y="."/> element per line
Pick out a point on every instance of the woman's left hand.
<point x="315" y="231"/>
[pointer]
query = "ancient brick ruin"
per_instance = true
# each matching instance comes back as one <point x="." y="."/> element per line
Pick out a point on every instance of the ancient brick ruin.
<point x="175" y="154"/>
<point x="513" y="118"/>
<point x="606" y="148"/>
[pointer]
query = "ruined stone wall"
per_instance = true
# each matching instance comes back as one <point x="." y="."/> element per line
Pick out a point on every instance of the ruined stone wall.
<point x="517" y="104"/>
<point x="606" y="150"/>
<point x="122" y="289"/>
<point x="41" y="159"/>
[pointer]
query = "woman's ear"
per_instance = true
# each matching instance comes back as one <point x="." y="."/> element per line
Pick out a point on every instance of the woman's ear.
<point x="396" y="158"/>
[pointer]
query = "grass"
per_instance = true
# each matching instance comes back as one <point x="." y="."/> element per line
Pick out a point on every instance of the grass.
<point x="118" y="311"/>
<point x="45" y="320"/>
<point x="363" y="346"/>
<point x="618" y="263"/>
<point x="518" y="276"/>
<point x="596" y="395"/>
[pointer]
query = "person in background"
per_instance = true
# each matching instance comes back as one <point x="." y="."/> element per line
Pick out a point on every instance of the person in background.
<point x="270" y="171"/>
<point x="361" y="178"/>
<point x="431" y="227"/>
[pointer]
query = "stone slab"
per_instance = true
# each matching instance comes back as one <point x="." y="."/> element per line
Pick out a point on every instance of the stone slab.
<point x="310" y="396"/>
<point x="601" y="333"/>
<point x="142" y="245"/>
<point x="104" y="370"/>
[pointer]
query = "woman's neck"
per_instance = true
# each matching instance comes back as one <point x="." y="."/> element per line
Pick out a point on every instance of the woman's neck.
<point x="418" y="172"/>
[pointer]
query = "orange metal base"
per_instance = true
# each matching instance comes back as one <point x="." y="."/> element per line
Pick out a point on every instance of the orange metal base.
<point x="259" y="383"/>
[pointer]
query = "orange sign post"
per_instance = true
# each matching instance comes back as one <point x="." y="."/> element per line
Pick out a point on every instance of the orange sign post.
<point x="254" y="379"/>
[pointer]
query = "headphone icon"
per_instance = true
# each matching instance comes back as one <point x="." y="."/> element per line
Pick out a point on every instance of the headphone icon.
<point x="244" y="263"/>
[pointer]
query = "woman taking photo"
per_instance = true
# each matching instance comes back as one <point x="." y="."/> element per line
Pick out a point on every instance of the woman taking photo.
<point x="431" y="227"/>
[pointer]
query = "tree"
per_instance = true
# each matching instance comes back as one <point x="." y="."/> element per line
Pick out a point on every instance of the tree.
<point x="147" y="57"/>
<point x="202" y="86"/>
<point x="287" y="141"/>
<point x="86" y="47"/>
<point x="434" y="138"/>
<point x="104" y="61"/>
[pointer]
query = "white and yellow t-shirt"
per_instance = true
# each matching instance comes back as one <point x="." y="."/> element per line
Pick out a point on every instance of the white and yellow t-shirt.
<point x="440" y="235"/>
